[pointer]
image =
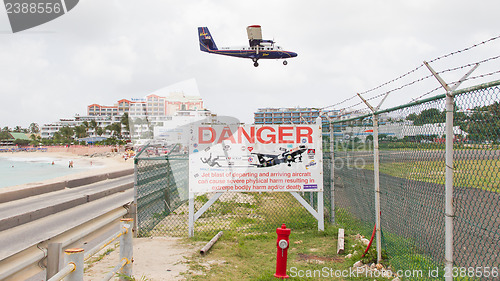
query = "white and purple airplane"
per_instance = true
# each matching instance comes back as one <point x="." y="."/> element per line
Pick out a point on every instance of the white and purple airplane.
<point x="257" y="49"/>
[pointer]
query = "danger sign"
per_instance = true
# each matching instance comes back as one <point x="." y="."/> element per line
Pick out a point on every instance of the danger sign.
<point x="250" y="158"/>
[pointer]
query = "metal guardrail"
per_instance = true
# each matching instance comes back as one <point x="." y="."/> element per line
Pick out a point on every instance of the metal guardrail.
<point x="73" y="271"/>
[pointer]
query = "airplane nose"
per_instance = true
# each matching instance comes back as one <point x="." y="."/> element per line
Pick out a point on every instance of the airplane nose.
<point x="292" y="54"/>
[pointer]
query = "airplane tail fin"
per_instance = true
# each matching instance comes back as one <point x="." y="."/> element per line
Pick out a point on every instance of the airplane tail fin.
<point x="207" y="43"/>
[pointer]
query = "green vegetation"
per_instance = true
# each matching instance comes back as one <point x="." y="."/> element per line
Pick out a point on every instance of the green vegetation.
<point x="71" y="134"/>
<point x="481" y="174"/>
<point x="252" y="256"/>
<point x="399" y="253"/>
<point x="132" y="278"/>
<point x="89" y="263"/>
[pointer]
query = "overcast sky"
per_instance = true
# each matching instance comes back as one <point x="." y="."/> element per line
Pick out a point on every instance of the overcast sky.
<point x="106" y="50"/>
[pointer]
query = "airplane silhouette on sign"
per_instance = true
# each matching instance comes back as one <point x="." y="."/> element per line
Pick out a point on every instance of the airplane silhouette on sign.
<point x="257" y="49"/>
<point x="289" y="156"/>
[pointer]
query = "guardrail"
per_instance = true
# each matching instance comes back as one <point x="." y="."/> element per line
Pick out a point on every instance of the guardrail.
<point x="75" y="257"/>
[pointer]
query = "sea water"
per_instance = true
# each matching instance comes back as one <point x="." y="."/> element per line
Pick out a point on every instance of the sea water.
<point x="21" y="170"/>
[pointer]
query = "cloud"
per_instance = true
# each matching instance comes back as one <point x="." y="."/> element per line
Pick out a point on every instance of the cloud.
<point x="112" y="62"/>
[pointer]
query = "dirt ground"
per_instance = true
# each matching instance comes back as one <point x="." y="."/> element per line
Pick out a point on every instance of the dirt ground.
<point x="156" y="258"/>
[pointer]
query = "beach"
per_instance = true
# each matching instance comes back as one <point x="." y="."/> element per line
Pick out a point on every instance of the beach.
<point x="83" y="165"/>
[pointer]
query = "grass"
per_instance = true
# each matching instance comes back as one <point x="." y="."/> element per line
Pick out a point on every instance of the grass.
<point x="244" y="256"/>
<point x="399" y="253"/>
<point x="132" y="278"/>
<point x="96" y="259"/>
<point x="248" y="250"/>
<point x="482" y="174"/>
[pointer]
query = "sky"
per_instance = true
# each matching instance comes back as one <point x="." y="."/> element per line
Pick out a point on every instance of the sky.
<point x="106" y="50"/>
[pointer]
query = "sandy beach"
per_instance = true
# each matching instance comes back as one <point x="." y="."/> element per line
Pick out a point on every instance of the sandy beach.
<point x="92" y="164"/>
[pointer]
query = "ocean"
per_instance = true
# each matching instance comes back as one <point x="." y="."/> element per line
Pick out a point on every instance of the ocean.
<point x="21" y="170"/>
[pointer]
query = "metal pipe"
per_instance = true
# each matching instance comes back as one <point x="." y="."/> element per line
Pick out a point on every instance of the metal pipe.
<point x="133" y="207"/>
<point x="370" y="243"/>
<point x="115" y="270"/>
<point x="191" y="214"/>
<point x="449" y="214"/>
<point x="75" y="256"/>
<point x="321" y="210"/>
<point x="320" y="205"/>
<point x="126" y="248"/>
<point x="209" y="245"/>
<point x="376" y="170"/>
<point x="332" y="176"/>
<point x="70" y="267"/>
<point x="104" y="244"/>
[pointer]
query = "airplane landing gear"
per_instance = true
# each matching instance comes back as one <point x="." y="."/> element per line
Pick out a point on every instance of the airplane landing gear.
<point x="285" y="62"/>
<point x="255" y="63"/>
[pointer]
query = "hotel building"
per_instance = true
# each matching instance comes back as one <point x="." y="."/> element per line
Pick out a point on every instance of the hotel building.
<point x="153" y="106"/>
<point x="151" y="111"/>
<point x="298" y="115"/>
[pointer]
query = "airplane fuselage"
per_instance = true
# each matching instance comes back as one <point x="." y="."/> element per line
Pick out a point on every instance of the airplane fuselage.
<point x="261" y="52"/>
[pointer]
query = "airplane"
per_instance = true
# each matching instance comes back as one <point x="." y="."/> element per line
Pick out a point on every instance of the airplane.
<point x="289" y="156"/>
<point x="257" y="49"/>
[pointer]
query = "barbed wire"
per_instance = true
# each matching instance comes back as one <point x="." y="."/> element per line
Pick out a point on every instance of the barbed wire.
<point x="468" y="78"/>
<point x="465" y="49"/>
<point x="423" y="78"/>
<point x="426" y="94"/>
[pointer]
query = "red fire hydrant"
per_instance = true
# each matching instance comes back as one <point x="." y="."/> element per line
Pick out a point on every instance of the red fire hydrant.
<point x="281" y="256"/>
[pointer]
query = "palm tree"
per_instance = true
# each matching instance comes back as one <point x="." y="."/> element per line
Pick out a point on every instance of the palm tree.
<point x="126" y="122"/>
<point x="4" y="135"/>
<point x="80" y="131"/>
<point x="94" y="125"/>
<point x="34" y="139"/>
<point x="18" y="129"/>
<point x="34" y="128"/>
<point x="117" y="128"/>
<point x="57" y="137"/>
<point x="67" y="132"/>
<point x="99" y="131"/>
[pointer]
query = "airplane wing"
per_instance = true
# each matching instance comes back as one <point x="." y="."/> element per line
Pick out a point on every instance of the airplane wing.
<point x="254" y="34"/>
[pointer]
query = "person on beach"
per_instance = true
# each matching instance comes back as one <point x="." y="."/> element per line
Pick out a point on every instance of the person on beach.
<point x="70" y="164"/>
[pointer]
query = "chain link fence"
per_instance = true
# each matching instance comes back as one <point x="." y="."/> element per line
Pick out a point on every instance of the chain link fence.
<point x="163" y="207"/>
<point x="412" y="181"/>
<point x="161" y="188"/>
<point x="412" y="186"/>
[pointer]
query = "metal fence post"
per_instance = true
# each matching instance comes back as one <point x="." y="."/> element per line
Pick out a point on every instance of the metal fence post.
<point x="191" y="214"/>
<point x="376" y="173"/>
<point x="376" y="170"/>
<point x="332" y="176"/>
<point x="126" y="248"/>
<point x="75" y="256"/>
<point x="54" y="251"/>
<point x="449" y="213"/>
<point x="448" y="255"/>
<point x="133" y="208"/>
